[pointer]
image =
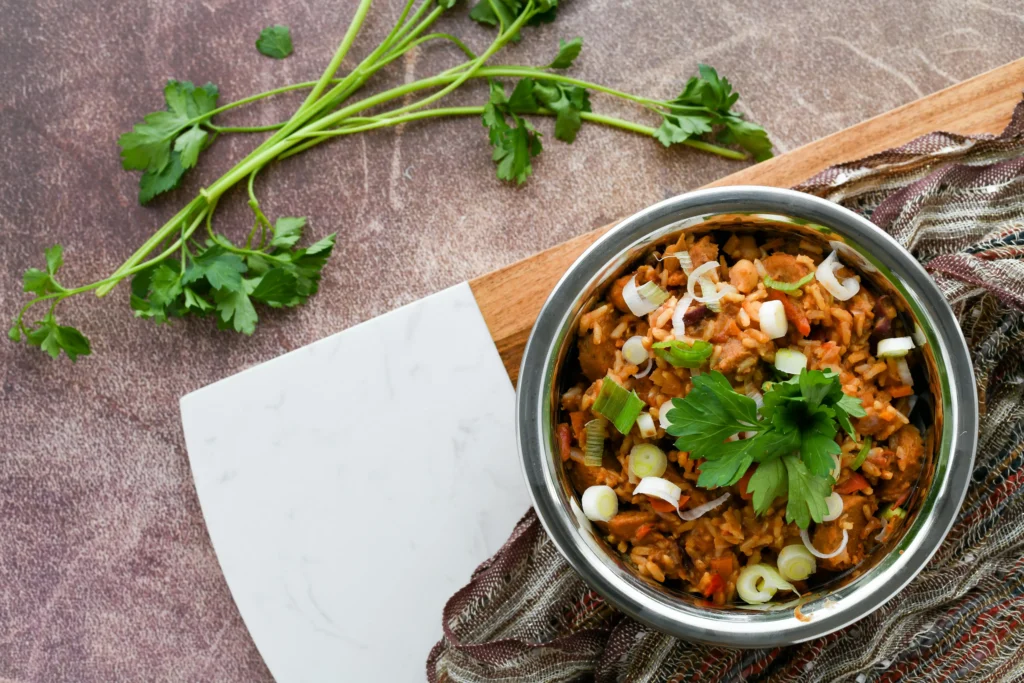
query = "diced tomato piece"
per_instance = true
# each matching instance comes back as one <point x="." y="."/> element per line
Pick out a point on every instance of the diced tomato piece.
<point x="856" y="482"/>
<point x="901" y="390"/>
<point x="716" y="584"/>
<point x="643" y="530"/>
<point x="722" y="565"/>
<point x="793" y="314"/>
<point x="744" y="493"/>
<point x="564" y="440"/>
<point x="576" y="417"/>
<point x="660" y="505"/>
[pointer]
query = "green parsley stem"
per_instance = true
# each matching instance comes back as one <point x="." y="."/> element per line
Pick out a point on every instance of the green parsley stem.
<point x="602" y="119"/>
<point x="245" y="129"/>
<point x="339" y="54"/>
<point x="282" y="143"/>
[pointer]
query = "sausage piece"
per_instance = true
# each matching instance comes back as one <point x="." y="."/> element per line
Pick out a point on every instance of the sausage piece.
<point x="596" y="359"/>
<point x="906" y="442"/>
<point x="624" y="525"/>
<point x="829" y="535"/>
<point x="785" y="268"/>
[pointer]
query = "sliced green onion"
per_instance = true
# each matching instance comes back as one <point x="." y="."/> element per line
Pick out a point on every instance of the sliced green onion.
<point x="645" y="423"/>
<point x="790" y="361"/>
<point x="919" y="336"/>
<point x="633" y="350"/>
<point x="682" y="355"/>
<point x="618" y="405"/>
<point x="593" y="452"/>
<point x="834" y="503"/>
<point x="863" y="455"/>
<point x="787" y="286"/>
<point x="647" y="460"/>
<point x="773" y="319"/>
<point x="891" y="512"/>
<point x="600" y="503"/>
<point x="653" y="293"/>
<point x="895" y="347"/>
<point x="685" y="262"/>
<point x="796" y="562"/>
<point x="758" y="583"/>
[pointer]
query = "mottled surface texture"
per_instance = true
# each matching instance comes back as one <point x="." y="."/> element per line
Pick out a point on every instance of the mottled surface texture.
<point x="105" y="566"/>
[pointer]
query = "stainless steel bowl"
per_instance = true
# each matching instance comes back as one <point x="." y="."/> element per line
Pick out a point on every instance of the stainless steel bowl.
<point x="953" y="434"/>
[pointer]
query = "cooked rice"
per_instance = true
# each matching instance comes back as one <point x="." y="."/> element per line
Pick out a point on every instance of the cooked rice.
<point x="686" y="553"/>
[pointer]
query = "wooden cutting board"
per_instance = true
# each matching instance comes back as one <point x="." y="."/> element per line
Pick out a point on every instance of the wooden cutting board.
<point x="510" y="298"/>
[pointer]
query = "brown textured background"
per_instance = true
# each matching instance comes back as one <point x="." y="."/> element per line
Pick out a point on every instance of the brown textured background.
<point x="106" y="571"/>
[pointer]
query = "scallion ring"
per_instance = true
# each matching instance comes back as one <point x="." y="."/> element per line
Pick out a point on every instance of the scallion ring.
<point x="835" y="507"/>
<point x="796" y="563"/>
<point x="647" y="460"/>
<point x="826" y="275"/>
<point x="600" y="503"/>
<point x="637" y="305"/>
<point x="633" y="350"/>
<point x="790" y="361"/>
<point x="758" y="583"/>
<point x="894" y="347"/>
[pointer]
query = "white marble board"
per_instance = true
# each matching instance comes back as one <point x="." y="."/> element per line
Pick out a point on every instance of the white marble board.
<point x="351" y="486"/>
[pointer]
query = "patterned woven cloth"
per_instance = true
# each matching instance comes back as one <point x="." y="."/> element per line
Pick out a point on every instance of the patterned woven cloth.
<point x="957" y="203"/>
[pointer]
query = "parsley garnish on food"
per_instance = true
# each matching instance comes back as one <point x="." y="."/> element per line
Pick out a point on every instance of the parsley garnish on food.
<point x="793" y="441"/>
<point x="177" y="272"/>
<point x="275" y="41"/>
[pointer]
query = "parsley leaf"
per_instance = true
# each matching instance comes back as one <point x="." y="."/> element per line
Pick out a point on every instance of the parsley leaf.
<point x="287" y="231"/>
<point x="53" y="338"/>
<point x="704" y="108"/>
<point x="515" y="145"/>
<point x="726" y="470"/>
<point x="275" y="41"/>
<point x="35" y="281"/>
<point x="767" y="483"/>
<point x="222" y="269"/>
<point x="710" y="414"/>
<point x="807" y="493"/>
<point x="278" y="288"/>
<point x="189" y="144"/>
<point x="568" y="51"/>
<point x="567" y="101"/>
<point x="504" y="12"/>
<point x="168" y="142"/>
<point x="793" y="440"/>
<point x="54" y="258"/>
<point x="235" y="310"/>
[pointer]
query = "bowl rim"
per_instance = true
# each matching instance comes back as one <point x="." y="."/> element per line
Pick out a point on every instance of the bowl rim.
<point x="954" y="454"/>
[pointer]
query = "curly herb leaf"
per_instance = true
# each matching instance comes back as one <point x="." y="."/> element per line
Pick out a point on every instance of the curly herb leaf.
<point x="796" y="424"/>
<point x="568" y="51"/>
<point x="168" y="143"/>
<point x="704" y="108"/>
<point x="514" y="146"/>
<point x="275" y="41"/>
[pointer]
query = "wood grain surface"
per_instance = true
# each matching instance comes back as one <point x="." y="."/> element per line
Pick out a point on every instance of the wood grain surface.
<point x="510" y="298"/>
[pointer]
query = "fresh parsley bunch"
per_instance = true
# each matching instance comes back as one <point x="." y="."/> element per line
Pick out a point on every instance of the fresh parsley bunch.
<point x="177" y="272"/>
<point x="793" y="438"/>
